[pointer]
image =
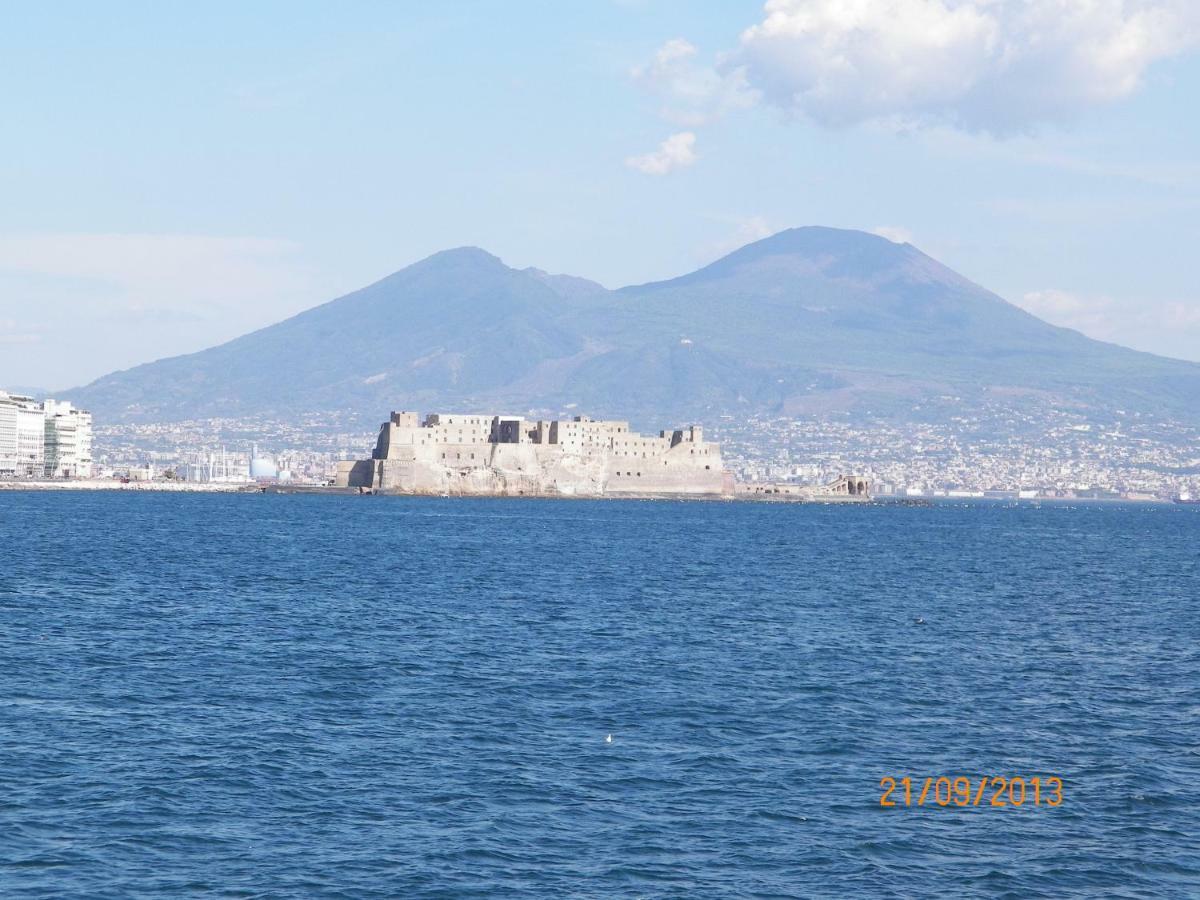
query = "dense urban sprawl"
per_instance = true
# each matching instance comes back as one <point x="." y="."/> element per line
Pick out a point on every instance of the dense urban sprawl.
<point x="1000" y="449"/>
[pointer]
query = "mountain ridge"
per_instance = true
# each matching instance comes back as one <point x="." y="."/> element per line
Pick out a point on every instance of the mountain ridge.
<point x="806" y="321"/>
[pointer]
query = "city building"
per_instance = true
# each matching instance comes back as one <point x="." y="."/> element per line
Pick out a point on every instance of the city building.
<point x="68" y="440"/>
<point x="22" y="436"/>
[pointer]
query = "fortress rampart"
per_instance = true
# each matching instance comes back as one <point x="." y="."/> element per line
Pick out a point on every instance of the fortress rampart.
<point x="509" y="455"/>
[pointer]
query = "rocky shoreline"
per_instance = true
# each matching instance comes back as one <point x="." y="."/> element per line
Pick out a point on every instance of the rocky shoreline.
<point x="109" y="484"/>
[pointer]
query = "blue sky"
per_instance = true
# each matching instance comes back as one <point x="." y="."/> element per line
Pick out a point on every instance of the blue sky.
<point x="174" y="175"/>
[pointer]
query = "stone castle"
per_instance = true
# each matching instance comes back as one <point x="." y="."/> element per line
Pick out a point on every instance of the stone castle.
<point x="507" y="455"/>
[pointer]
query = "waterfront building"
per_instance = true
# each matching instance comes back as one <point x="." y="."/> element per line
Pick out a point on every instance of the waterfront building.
<point x="22" y="436"/>
<point x="68" y="440"/>
<point x="495" y="454"/>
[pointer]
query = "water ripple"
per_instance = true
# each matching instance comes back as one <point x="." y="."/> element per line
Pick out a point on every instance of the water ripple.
<point x="263" y="696"/>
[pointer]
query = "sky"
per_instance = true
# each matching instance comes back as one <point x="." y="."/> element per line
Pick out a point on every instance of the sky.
<point x="175" y="175"/>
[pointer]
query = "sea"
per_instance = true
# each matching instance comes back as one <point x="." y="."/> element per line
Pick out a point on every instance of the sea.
<point x="276" y="696"/>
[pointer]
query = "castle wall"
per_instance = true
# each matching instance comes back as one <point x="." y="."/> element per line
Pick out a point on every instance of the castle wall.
<point x="355" y="473"/>
<point x="686" y="467"/>
<point x="504" y="455"/>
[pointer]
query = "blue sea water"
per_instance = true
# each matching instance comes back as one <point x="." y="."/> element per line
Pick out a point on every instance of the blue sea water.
<point x="314" y="696"/>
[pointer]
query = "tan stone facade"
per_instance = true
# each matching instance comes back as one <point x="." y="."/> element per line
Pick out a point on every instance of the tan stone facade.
<point x="845" y="487"/>
<point x="506" y="455"/>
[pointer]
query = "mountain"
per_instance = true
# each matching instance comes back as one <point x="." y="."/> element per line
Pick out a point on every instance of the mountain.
<point x="811" y="320"/>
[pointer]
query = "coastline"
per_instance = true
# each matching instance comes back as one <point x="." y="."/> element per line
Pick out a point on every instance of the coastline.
<point x="532" y="495"/>
<point x="184" y="487"/>
<point x="107" y="484"/>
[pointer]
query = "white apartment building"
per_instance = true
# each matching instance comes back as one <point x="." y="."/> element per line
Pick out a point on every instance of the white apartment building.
<point x="22" y="436"/>
<point x="43" y="439"/>
<point x="68" y="440"/>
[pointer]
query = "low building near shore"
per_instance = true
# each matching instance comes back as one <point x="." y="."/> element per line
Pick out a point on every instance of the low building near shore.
<point x="845" y="488"/>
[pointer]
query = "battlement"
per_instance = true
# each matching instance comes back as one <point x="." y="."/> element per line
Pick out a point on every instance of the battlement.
<point x="484" y="453"/>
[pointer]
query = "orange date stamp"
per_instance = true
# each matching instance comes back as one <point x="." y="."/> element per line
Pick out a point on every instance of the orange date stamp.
<point x="984" y="790"/>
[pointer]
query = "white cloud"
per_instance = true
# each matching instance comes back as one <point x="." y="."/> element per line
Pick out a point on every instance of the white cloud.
<point x="10" y="333"/>
<point x="1054" y="304"/>
<point x="676" y="152"/>
<point x="894" y="233"/>
<point x="95" y="302"/>
<point x="992" y="65"/>
<point x="692" y="93"/>
<point x="155" y="270"/>
<point x="17" y="338"/>
<point x="1166" y="327"/>
<point x="746" y="230"/>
